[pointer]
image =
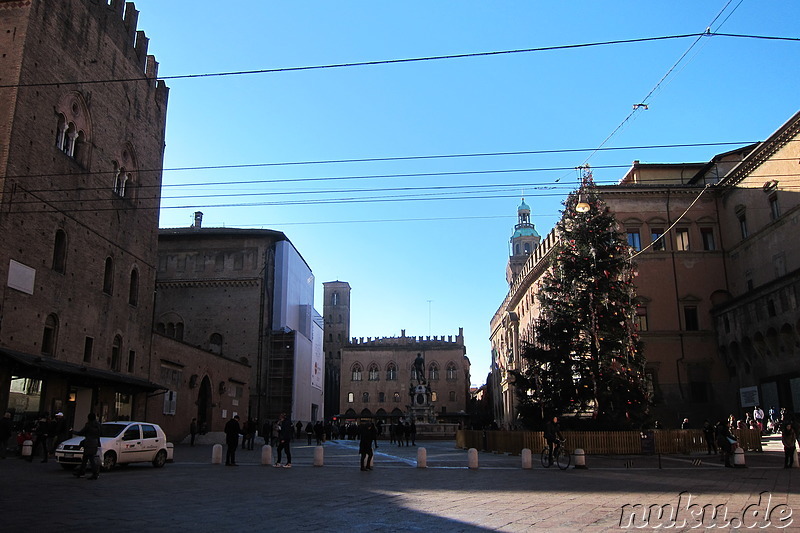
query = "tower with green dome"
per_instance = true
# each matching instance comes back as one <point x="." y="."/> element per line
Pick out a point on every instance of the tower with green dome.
<point x="523" y="241"/>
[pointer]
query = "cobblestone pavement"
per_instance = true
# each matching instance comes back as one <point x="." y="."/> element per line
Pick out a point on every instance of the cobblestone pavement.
<point x="191" y="494"/>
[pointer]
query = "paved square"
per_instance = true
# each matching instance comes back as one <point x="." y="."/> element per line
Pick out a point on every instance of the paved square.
<point x="191" y="494"/>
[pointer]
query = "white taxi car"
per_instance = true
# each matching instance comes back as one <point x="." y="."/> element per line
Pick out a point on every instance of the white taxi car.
<point x="121" y="442"/>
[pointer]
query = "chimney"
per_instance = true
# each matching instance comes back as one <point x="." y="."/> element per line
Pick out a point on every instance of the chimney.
<point x="198" y="219"/>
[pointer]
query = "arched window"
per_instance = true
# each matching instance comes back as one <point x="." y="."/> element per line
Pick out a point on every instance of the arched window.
<point x="335" y="298"/>
<point x="133" y="295"/>
<point x="452" y="372"/>
<point x="391" y="372"/>
<point x="74" y="127"/>
<point x="365" y="397"/>
<point x="49" y="335"/>
<point x="179" y="331"/>
<point x="161" y="328"/>
<point x="215" y="343"/>
<point x="434" y="396"/>
<point x="373" y="372"/>
<point x="381" y="397"/>
<point x="108" y="276"/>
<point x="452" y="395"/>
<point x="396" y="397"/>
<point x="356" y="372"/>
<point x="60" y="252"/>
<point x="414" y="376"/>
<point x="433" y="372"/>
<point x="114" y="360"/>
<point x="351" y="397"/>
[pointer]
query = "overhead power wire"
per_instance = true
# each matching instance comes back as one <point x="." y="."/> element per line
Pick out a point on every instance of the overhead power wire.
<point x="393" y="158"/>
<point x="397" y="61"/>
<point x="644" y="102"/>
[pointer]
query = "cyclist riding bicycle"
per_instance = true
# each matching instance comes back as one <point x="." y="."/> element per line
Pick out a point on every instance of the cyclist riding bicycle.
<point x="552" y="434"/>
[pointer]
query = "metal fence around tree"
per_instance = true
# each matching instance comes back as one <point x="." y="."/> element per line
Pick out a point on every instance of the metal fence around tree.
<point x="667" y="441"/>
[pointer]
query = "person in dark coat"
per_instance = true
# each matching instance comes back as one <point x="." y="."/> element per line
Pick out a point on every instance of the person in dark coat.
<point x="789" y="440"/>
<point x="284" y="440"/>
<point x="309" y="432"/>
<point x="725" y="440"/>
<point x="413" y="432"/>
<point x="91" y="443"/>
<point x="708" y="435"/>
<point x="5" y="433"/>
<point x="399" y="431"/>
<point x="367" y="436"/>
<point x="193" y="430"/>
<point x="42" y="435"/>
<point x="319" y="432"/>
<point x="232" y="432"/>
<point x="552" y="433"/>
<point x="59" y="432"/>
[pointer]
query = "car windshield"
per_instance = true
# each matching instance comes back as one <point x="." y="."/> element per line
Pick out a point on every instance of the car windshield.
<point x="111" y="429"/>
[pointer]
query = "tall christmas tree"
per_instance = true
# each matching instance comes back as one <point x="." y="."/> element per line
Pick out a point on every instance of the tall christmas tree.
<point x="585" y="357"/>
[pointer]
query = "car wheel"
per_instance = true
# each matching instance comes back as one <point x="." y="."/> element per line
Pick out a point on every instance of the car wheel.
<point x="109" y="460"/>
<point x="160" y="459"/>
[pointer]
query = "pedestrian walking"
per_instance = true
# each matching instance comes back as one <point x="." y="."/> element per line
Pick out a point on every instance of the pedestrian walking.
<point x="90" y="444"/>
<point x="284" y="440"/>
<point x="368" y="434"/>
<point x="708" y="435"/>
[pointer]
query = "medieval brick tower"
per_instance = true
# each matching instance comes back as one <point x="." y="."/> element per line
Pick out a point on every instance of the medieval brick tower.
<point x="336" y="312"/>
<point x="82" y="122"/>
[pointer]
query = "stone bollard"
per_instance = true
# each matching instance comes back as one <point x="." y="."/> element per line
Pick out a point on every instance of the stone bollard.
<point x="738" y="458"/>
<point x="472" y="458"/>
<point x="580" y="458"/>
<point x="527" y="459"/>
<point x="422" y="458"/>
<point x="27" y="448"/>
<point x="319" y="456"/>
<point x="266" y="455"/>
<point x="216" y="454"/>
<point x="170" y="452"/>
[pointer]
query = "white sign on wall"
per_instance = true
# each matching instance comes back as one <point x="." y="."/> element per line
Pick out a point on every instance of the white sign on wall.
<point x="749" y="396"/>
<point x="21" y="277"/>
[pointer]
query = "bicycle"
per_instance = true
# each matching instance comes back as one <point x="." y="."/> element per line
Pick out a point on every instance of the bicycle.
<point x="561" y="456"/>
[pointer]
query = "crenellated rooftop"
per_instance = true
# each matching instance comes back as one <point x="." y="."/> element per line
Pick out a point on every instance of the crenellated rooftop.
<point x="403" y="340"/>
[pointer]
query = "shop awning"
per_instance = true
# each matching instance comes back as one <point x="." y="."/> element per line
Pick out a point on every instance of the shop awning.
<point x="39" y="366"/>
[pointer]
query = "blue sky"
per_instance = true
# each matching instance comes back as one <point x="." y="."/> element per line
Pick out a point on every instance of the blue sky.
<point x="427" y="253"/>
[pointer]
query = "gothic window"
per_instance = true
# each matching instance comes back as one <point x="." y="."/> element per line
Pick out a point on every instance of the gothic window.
<point x="365" y="397"/>
<point x="356" y="372"/>
<point x="391" y="372"/>
<point x="49" y="335"/>
<point x="433" y="372"/>
<point x="121" y="178"/>
<point x="73" y="128"/>
<point x="452" y="374"/>
<point x="335" y="298"/>
<point x="108" y="276"/>
<point x="133" y="294"/>
<point x="351" y="397"/>
<point x="381" y="397"/>
<point x="60" y="252"/>
<point x="373" y="372"/>
<point x="113" y="361"/>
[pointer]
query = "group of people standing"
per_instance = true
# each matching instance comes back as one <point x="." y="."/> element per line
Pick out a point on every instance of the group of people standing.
<point x="403" y="431"/>
<point x="282" y="432"/>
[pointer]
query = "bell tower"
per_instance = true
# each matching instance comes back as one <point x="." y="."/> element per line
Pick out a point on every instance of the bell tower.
<point x="523" y="242"/>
